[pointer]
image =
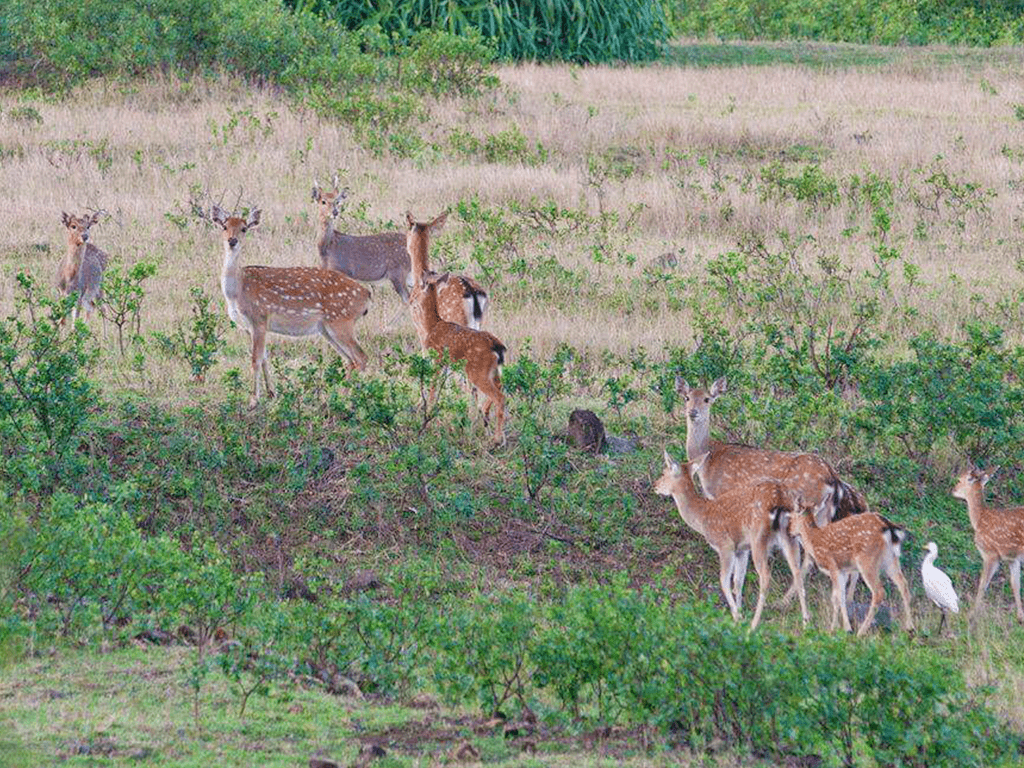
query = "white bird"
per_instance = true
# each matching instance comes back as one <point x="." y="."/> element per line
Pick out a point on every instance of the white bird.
<point x="937" y="585"/>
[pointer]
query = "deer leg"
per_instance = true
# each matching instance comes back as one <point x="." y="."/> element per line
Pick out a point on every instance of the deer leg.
<point x="851" y="586"/>
<point x="764" y="577"/>
<point x="895" y="573"/>
<point x="259" y="351"/>
<point x="942" y="621"/>
<point x="341" y="336"/>
<point x="989" y="565"/>
<point x="1015" y="583"/>
<point x="837" y="599"/>
<point x="490" y="388"/>
<point x="874" y="582"/>
<point x="739" y="575"/>
<point x="399" y="281"/>
<point x="265" y="367"/>
<point x="790" y="550"/>
<point x="726" y="562"/>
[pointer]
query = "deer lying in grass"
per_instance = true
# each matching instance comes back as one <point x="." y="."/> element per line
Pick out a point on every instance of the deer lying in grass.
<point x="461" y="300"/>
<point x="81" y="271"/>
<point x="738" y="525"/>
<point x="292" y="301"/>
<point x="362" y="257"/>
<point x="867" y="544"/>
<point x="735" y="466"/>
<point x="483" y="352"/>
<point x="998" y="535"/>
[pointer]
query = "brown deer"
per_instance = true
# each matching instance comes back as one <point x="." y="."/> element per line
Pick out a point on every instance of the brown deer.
<point x="730" y="465"/>
<point x="362" y="257"/>
<point x="291" y="301"/>
<point x="737" y="524"/>
<point x="483" y="352"/>
<point x="81" y="271"/>
<point x="998" y="534"/>
<point x="866" y="544"/>
<point x="461" y="300"/>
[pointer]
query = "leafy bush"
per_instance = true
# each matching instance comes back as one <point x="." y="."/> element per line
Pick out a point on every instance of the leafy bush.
<point x="122" y="298"/>
<point x="198" y="341"/>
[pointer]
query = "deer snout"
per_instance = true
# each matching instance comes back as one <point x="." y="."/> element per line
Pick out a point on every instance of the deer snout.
<point x="85" y="237"/>
<point x="693" y="414"/>
<point x="232" y="241"/>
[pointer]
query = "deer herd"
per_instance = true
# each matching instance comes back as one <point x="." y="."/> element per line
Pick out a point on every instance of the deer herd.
<point x="751" y="500"/>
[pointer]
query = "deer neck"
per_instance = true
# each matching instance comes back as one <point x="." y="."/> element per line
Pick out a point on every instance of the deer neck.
<point x="431" y="316"/>
<point x="692" y="508"/>
<point x="975" y="505"/>
<point x="326" y="232"/>
<point x="418" y="257"/>
<point x="698" y="438"/>
<point x="230" y="275"/>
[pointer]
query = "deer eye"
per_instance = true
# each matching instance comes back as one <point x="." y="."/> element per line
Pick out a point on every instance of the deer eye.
<point x="707" y="400"/>
<point x="245" y="229"/>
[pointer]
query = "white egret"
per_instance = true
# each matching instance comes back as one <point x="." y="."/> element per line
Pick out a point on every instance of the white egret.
<point x="937" y="585"/>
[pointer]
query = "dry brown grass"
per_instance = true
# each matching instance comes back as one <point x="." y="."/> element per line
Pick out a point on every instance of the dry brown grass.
<point x="155" y="139"/>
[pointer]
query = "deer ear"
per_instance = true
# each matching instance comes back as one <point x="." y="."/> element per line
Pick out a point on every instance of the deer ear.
<point x="65" y="218"/>
<point x="217" y="214"/>
<point x="672" y="465"/>
<point x="986" y="476"/>
<point x="719" y="387"/>
<point x="254" y="217"/>
<point x="682" y="386"/>
<point x="409" y="220"/>
<point x="316" y="192"/>
<point x="95" y="217"/>
<point x="342" y="195"/>
<point x="438" y="223"/>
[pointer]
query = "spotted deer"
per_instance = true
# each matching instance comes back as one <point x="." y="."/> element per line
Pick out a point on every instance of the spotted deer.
<point x="738" y="524"/>
<point x="369" y="258"/>
<point x="998" y="534"/>
<point x="81" y="271"/>
<point x="730" y="465"/>
<point x="461" y="300"/>
<point x="291" y="301"/>
<point x="866" y="544"/>
<point x="483" y="352"/>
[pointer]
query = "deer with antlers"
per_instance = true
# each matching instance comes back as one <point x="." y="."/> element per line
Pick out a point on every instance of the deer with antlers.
<point x="81" y="271"/>
<point x="867" y="544"/>
<point x="369" y="258"/>
<point x="738" y="524"/>
<point x="483" y="352"/>
<point x="998" y="534"/>
<point x="732" y="466"/>
<point x="291" y="301"/>
<point x="460" y="299"/>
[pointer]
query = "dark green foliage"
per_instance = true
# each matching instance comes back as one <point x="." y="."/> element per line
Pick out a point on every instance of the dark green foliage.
<point x="122" y="299"/>
<point x="883" y="22"/>
<point x="590" y="31"/>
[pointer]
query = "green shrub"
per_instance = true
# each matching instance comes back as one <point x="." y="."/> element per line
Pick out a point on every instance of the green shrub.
<point x="199" y="341"/>
<point x="122" y="298"/>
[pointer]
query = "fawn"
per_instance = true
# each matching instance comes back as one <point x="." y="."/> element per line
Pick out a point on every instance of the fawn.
<point x="737" y="524"/>
<point x="81" y="271"/>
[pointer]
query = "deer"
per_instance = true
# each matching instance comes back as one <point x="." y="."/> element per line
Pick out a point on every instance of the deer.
<point x="738" y="524"/>
<point x="483" y="352"/>
<point x="460" y="299"/>
<point x="369" y="258"/>
<point x="81" y="271"/>
<point x="291" y="301"/>
<point x="866" y="543"/>
<point x="730" y="465"/>
<point x="998" y="534"/>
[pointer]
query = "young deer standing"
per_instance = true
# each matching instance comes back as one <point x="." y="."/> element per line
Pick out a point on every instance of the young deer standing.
<point x="998" y="534"/>
<point x="461" y="300"/>
<point x="292" y="301"/>
<point x="483" y="353"/>
<point x="867" y="544"/>
<point x="737" y="524"/>
<point x="81" y="271"/>
<point x="362" y="257"/>
<point x="735" y="466"/>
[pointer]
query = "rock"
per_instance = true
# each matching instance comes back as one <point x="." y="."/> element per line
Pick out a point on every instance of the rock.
<point x="621" y="444"/>
<point x="340" y="685"/>
<point x="368" y="753"/>
<point x="586" y="431"/>
<point x="363" y="580"/>
<point x="465" y="752"/>
<point x="155" y="637"/>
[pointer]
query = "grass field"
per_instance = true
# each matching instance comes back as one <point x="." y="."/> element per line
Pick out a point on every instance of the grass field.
<point x="587" y="200"/>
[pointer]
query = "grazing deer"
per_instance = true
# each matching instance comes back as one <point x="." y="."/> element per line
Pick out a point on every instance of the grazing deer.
<point x="483" y="352"/>
<point x="733" y="466"/>
<point x="867" y="544"/>
<point x="998" y="534"/>
<point x="292" y="301"/>
<point x="737" y="524"/>
<point x="461" y="300"/>
<point x="362" y="257"/>
<point x="81" y="271"/>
